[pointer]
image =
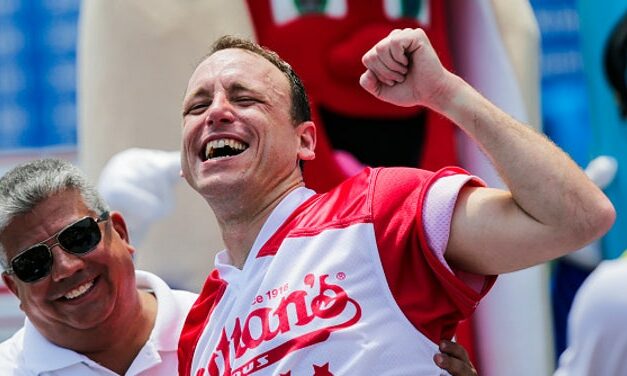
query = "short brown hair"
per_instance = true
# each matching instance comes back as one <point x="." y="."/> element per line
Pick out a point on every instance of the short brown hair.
<point x="300" y="110"/>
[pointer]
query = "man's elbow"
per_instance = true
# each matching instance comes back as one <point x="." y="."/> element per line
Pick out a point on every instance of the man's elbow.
<point x="608" y="214"/>
<point x="600" y="221"/>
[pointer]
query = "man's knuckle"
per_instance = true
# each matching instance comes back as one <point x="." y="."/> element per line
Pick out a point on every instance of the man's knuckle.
<point x="380" y="48"/>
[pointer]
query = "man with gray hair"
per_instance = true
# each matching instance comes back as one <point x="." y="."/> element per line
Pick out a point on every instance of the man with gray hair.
<point x="69" y="262"/>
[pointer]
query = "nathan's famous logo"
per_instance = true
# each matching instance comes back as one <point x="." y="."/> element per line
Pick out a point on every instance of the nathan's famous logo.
<point x="319" y="315"/>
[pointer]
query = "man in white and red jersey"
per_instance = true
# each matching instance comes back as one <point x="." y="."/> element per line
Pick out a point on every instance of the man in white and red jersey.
<point x="367" y="278"/>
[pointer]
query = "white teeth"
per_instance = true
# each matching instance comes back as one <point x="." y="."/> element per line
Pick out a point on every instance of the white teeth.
<point x="221" y="143"/>
<point x="80" y="290"/>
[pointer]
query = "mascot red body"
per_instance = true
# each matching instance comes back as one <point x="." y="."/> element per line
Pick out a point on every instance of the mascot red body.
<point x="324" y="42"/>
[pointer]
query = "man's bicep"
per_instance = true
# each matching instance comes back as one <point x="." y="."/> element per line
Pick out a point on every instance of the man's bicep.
<point x="490" y="234"/>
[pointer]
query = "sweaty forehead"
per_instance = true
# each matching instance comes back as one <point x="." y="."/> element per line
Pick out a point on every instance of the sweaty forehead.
<point x="236" y="65"/>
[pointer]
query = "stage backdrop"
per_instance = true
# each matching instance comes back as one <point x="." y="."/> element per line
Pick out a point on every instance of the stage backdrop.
<point x="37" y="96"/>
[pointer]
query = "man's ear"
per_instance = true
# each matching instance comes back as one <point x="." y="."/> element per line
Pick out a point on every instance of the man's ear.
<point x="307" y="136"/>
<point x="119" y="226"/>
<point x="10" y="283"/>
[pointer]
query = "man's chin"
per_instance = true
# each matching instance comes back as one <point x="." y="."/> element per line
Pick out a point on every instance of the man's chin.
<point x="218" y="186"/>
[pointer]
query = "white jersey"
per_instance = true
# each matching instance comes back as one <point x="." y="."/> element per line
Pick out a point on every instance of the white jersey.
<point x="341" y="283"/>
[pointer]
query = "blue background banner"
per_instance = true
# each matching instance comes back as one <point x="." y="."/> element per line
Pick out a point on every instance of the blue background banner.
<point x="38" y="74"/>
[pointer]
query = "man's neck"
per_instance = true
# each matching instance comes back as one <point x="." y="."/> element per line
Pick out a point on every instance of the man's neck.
<point x="121" y="353"/>
<point x="240" y="230"/>
<point x="115" y="343"/>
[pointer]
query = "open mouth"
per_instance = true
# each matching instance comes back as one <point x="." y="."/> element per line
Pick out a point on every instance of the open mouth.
<point x="223" y="148"/>
<point x="377" y="142"/>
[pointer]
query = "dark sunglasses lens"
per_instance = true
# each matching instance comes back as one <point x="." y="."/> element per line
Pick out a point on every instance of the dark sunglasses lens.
<point x="81" y="237"/>
<point x="33" y="264"/>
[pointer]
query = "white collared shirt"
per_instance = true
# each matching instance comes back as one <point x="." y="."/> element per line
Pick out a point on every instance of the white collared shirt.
<point x="27" y="352"/>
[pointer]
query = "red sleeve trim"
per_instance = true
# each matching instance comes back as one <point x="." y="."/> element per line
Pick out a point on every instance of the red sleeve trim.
<point x="432" y="298"/>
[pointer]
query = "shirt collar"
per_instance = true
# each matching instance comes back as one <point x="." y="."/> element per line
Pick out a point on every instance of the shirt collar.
<point x="169" y="312"/>
<point x="56" y="357"/>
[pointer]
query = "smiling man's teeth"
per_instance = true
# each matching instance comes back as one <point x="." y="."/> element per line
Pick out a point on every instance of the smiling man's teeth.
<point x="80" y="290"/>
<point x="224" y="147"/>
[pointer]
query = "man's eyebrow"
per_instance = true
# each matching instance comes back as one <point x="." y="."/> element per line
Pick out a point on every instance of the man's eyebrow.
<point x="198" y="92"/>
<point x="237" y="87"/>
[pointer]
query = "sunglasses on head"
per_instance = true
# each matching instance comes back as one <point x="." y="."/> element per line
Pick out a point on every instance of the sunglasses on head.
<point x="78" y="238"/>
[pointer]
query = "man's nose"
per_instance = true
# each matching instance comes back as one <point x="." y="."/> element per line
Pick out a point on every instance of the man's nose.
<point x="220" y="112"/>
<point x="64" y="264"/>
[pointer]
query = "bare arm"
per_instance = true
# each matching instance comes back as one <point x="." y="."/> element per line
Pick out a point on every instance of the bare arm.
<point x="551" y="207"/>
